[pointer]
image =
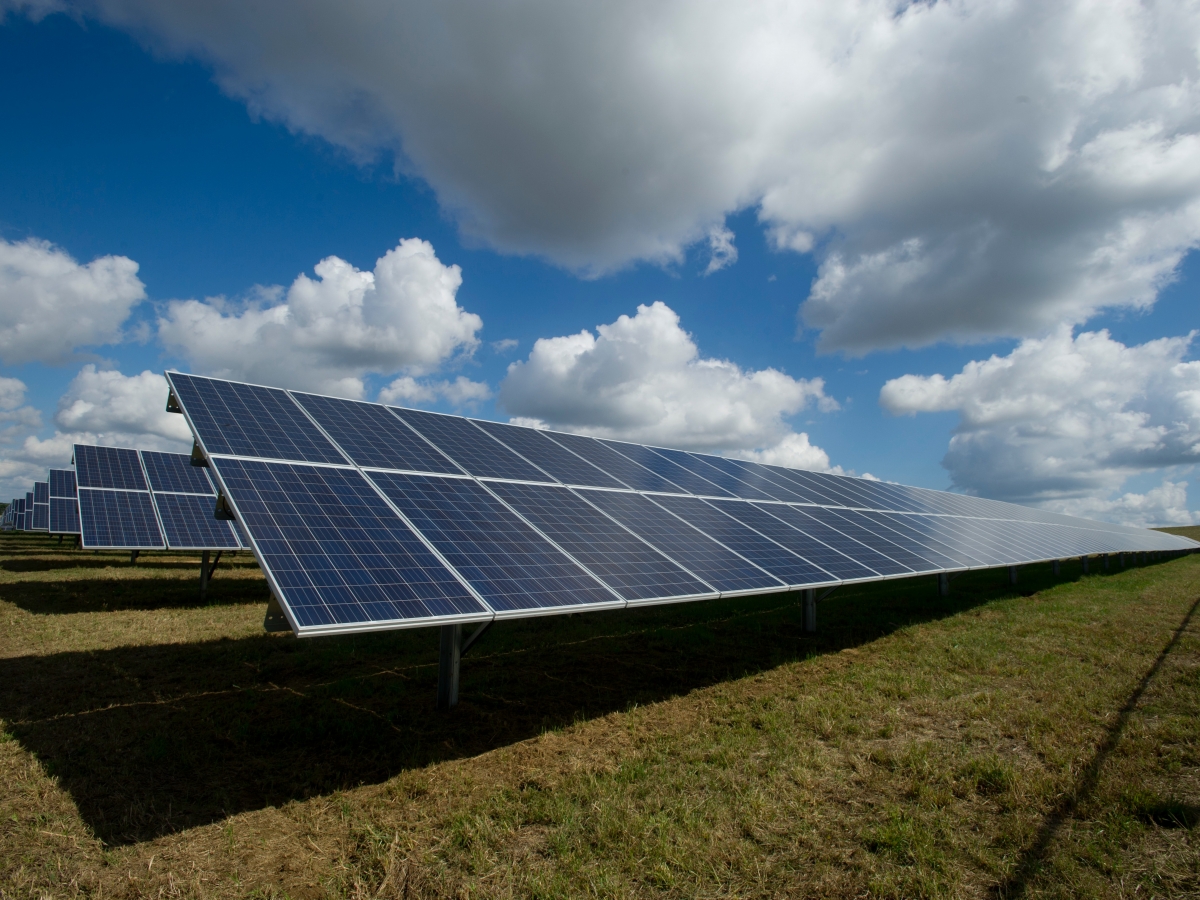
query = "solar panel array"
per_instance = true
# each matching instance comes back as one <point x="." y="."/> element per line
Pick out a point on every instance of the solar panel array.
<point x="41" y="506"/>
<point x="142" y="500"/>
<point x="368" y="517"/>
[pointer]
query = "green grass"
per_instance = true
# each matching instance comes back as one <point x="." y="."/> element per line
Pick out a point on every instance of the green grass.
<point x="1042" y="741"/>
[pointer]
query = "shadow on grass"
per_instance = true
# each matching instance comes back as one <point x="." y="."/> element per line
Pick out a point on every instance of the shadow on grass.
<point x="1165" y="813"/>
<point x="68" y="597"/>
<point x="149" y="740"/>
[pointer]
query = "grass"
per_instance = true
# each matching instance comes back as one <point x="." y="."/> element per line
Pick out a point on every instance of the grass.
<point x="1042" y="741"/>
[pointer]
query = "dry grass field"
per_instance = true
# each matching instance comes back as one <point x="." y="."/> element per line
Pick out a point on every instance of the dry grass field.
<point x="1042" y="741"/>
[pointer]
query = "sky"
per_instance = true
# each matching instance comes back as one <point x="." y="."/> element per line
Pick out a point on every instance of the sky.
<point x="948" y="244"/>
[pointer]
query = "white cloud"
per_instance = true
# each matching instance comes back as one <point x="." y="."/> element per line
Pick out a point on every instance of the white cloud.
<point x="328" y="332"/>
<point x="503" y="346"/>
<point x="722" y="251"/>
<point x="407" y="390"/>
<point x="1065" y="419"/>
<point x="964" y="169"/>
<point x="642" y="378"/>
<point x="50" y="305"/>
<point x="99" y="407"/>
<point x="1163" y="505"/>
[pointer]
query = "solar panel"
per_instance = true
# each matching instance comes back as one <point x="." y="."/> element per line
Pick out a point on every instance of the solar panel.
<point x="19" y="517"/>
<point x="367" y="517"/>
<point x="619" y="558"/>
<point x="613" y="463"/>
<point x="721" y="477"/>
<point x="113" y="519"/>
<point x="374" y="437"/>
<point x="550" y="457"/>
<point x="472" y="448"/>
<point x="41" y="506"/>
<point x="28" y="511"/>
<point x="62" y="483"/>
<point x="108" y="467"/>
<point x="64" y="515"/>
<point x="337" y="555"/>
<point x="511" y="565"/>
<point x="719" y="566"/>
<point x="174" y="472"/>
<point x="188" y="523"/>
<point x="249" y="420"/>
<point x="660" y="465"/>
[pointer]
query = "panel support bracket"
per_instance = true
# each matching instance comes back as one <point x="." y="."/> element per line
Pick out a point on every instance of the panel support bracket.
<point x="1012" y="575"/>
<point x="810" y="609"/>
<point x="275" y="622"/>
<point x="944" y="584"/>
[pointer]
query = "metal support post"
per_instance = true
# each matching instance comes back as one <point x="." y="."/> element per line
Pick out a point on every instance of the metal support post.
<point x="1056" y="567"/>
<point x="1121" y="560"/>
<point x="1084" y="560"/>
<point x="204" y="574"/>
<point x="1105" y="558"/>
<point x="133" y="555"/>
<point x="1012" y="575"/>
<point x="448" y="663"/>
<point x="944" y="584"/>
<point x="810" y="609"/>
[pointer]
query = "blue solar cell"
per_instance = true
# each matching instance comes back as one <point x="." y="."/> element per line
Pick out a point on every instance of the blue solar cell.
<point x="41" y="492"/>
<point x="795" y="481"/>
<point x="507" y="562"/>
<point x="758" y="476"/>
<point x="472" y="448"/>
<point x="108" y="467"/>
<point x="798" y="517"/>
<point x="625" y="563"/>
<point x="337" y="553"/>
<point x="174" y="472"/>
<point x="785" y="565"/>
<point x="883" y="539"/>
<point x="799" y="542"/>
<point x="660" y="465"/>
<point x="691" y="548"/>
<point x="247" y="420"/>
<point x="958" y="542"/>
<point x="28" y="526"/>
<point x="373" y="437"/>
<point x="830" y="487"/>
<point x="62" y="483"/>
<point x="922" y="543"/>
<point x="720" y="476"/>
<point x="41" y="516"/>
<point x="122" y="520"/>
<point x="549" y="456"/>
<point x="64" y="515"/>
<point x="19" y="516"/>
<point x="189" y="524"/>
<point x="620" y="467"/>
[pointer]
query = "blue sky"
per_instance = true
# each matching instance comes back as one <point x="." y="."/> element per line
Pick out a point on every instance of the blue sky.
<point x="221" y="171"/>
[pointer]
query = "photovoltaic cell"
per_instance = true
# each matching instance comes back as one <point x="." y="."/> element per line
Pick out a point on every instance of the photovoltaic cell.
<point x="512" y="566"/>
<point x="549" y="456"/>
<point x="779" y="561"/>
<point x="174" y="472"/>
<point x="620" y="467"/>
<point x="188" y="522"/>
<point x="28" y="511"/>
<point x="64" y="515"/>
<point x="757" y="476"/>
<point x="248" y="420"/>
<point x="799" y="542"/>
<point x="121" y="520"/>
<point x="338" y="554"/>
<point x="471" y="447"/>
<point x="797" y="517"/>
<point x="625" y="563"/>
<point x="887" y="541"/>
<point x="41" y="492"/>
<point x="373" y="437"/>
<point x="695" y="551"/>
<point x="62" y="483"/>
<point x="660" y="465"/>
<point x="723" y="479"/>
<point x="795" y="482"/>
<point x="108" y="467"/>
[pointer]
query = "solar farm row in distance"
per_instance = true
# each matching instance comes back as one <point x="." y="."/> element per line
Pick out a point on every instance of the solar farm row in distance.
<point x="367" y="517"/>
<point x="144" y="500"/>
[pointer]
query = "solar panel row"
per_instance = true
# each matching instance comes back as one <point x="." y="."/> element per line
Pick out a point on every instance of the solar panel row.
<point x="365" y="516"/>
<point x="140" y="500"/>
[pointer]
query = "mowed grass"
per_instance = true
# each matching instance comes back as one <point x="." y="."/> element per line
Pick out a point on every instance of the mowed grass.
<point x="1001" y="742"/>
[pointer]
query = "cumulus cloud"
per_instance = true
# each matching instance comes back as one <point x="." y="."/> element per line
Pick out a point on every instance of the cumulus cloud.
<point x="326" y="333"/>
<point x="722" y="250"/>
<point x="1163" y="505"/>
<point x="407" y="391"/>
<point x="50" y="305"/>
<point x="642" y="379"/>
<point x="963" y="170"/>
<point x="99" y="407"/>
<point x="1065" y="420"/>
